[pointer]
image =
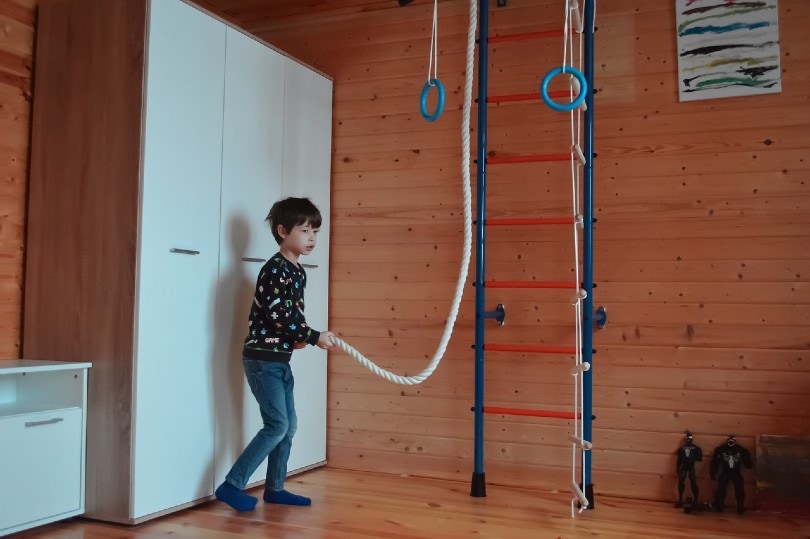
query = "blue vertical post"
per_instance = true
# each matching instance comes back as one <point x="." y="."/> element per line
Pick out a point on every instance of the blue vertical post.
<point x="587" y="316"/>
<point x="478" y="487"/>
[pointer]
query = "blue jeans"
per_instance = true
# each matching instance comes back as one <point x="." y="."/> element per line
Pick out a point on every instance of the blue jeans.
<point x="272" y="385"/>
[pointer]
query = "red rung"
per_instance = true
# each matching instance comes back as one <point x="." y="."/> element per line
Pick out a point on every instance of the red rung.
<point x="532" y="413"/>
<point x="525" y="37"/>
<point x="530" y="221"/>
<point x="530" y="348"/>
<point x="526" y="97"/>
<point x="502" y="159"/>
<point x="530" y="284"/>
<point x="513" y="97"/>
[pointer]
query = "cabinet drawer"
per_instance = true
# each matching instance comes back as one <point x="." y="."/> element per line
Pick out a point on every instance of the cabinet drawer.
<point x="40" y="465"/>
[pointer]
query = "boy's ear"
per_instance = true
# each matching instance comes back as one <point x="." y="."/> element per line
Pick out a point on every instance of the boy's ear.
<point x="281" y="231"/>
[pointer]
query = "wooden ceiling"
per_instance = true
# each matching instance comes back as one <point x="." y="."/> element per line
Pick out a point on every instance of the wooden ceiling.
<point x="255" y="15"/>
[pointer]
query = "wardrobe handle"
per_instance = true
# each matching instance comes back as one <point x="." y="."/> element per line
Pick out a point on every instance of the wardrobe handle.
<point x="45" y="422"/>
<point x="309" y="265"/>
<point x="251" y="259"/>
<point x="183" y="251"/>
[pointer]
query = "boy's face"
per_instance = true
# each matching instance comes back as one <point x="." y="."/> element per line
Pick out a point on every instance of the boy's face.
<point x="300" y="240"/>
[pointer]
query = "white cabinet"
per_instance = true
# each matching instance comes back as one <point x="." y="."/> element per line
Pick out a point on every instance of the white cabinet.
<point x="42" y="442"/>
<point x="160" y="139"/>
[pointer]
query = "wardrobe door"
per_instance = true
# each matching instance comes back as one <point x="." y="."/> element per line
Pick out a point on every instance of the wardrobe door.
<point x="308" y="144"/>
<point x="307" y="158"/>
<point x="178" y="259"/>
<point x="309" y="369"/>
<point x="251" y="182"/>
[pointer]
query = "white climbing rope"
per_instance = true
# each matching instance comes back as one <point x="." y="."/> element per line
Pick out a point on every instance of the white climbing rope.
<point x="467" y="248"/>
<point x="433" y="61"/>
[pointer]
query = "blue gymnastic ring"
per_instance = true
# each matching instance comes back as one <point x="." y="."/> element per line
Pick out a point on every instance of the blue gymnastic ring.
<point x="583" y="87"/>
<point x="423" y="101"/>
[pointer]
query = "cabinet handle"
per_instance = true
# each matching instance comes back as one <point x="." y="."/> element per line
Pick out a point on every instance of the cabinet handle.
<point x="183" y="251"/>
<point x="44" y="422"/>
<point x="251" y="259"/>
<point x="309" y="265"/>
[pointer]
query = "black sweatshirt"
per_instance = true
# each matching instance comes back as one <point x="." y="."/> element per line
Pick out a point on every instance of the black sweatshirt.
<point x="277" y="314"/>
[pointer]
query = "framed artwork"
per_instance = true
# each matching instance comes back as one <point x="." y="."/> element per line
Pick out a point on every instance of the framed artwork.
<point x="727" y="48"/>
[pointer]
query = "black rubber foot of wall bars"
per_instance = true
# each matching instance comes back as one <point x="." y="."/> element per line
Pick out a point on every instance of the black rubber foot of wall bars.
<point x="588" y="492"/>
<point x="600" y="317"/>
<point x="479" y="486"/>
<point x="499" y="314"/>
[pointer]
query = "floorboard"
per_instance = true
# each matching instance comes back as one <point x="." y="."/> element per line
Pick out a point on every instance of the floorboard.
<point x="359" y="505"/>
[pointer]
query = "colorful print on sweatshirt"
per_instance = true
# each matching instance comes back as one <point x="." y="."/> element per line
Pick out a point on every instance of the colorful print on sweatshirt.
<point x="277" y="319"/>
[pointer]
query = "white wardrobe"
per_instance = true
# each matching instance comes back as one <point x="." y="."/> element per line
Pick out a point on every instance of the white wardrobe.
<point x="161" y="137"/>
<point x="296" y="153"/>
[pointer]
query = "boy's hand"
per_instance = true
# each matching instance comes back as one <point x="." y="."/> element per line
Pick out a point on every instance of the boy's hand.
<point x="324" y="341"/>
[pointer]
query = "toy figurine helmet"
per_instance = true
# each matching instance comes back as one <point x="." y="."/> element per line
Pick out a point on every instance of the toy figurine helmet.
<point x="688" y="436"/>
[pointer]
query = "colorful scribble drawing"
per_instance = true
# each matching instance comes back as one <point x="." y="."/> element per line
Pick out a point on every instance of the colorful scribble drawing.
<point x="727" y="48"/>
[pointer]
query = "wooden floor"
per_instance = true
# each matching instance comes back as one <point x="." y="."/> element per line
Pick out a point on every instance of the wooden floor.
<point x="354" y="505"/>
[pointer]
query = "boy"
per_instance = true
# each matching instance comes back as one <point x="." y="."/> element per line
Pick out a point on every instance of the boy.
<point x="276" y="327"/>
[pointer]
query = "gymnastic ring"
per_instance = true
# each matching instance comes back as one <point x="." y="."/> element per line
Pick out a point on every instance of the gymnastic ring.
<point x="423" y="101"/>
<point x="583" y="88"/>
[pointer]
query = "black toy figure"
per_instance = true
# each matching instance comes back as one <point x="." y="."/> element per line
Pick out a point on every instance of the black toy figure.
<point x="727" y="463"/>
<point x="688" y="455"/>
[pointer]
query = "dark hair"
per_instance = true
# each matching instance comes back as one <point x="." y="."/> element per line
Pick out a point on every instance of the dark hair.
<point x="291" y="212"/>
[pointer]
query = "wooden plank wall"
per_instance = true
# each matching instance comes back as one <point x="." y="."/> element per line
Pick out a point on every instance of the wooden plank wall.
<point x="701" y="245"/>
<point x="701" y="248"/>
<point x="16" y="46"/>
